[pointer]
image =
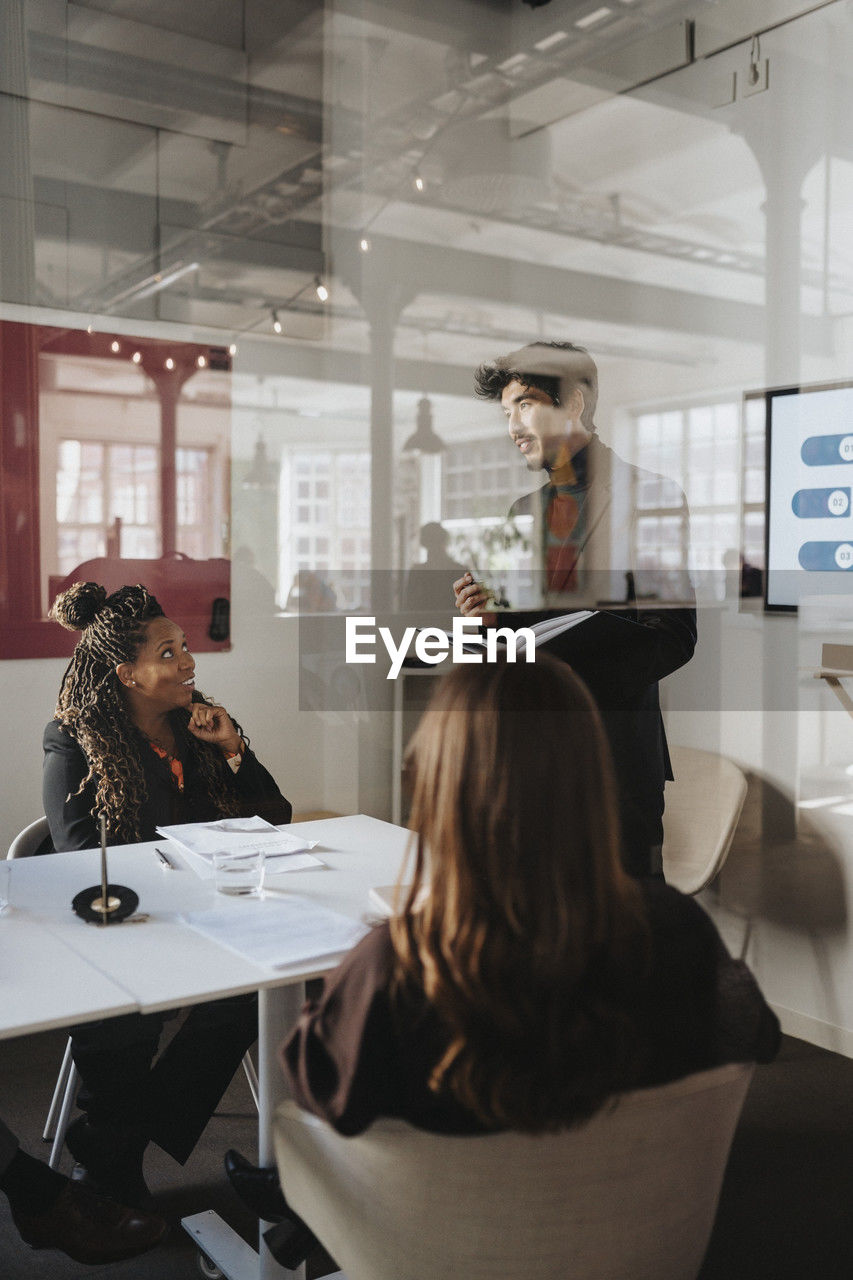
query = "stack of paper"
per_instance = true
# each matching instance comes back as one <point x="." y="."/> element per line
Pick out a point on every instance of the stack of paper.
<point x="281" y="933"/>
<point x="199" y="841"/>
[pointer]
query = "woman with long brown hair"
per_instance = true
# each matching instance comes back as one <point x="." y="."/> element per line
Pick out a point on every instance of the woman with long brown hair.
<point x="132" y="738"/>
<point x="525" y="977"/>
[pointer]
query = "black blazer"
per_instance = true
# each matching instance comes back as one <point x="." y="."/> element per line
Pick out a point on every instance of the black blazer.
<point x="73" y="825"/>
<point x="623" y="679"/>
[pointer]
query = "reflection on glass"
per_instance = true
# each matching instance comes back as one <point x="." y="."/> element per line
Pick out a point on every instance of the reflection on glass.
<point x="325" y="530"/>
<point x="128" y="479"/>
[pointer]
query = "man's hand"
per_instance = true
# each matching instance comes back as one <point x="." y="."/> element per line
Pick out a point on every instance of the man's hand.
<point x="471" y="598"/>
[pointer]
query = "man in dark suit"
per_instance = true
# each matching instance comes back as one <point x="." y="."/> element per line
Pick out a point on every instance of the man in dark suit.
<point x="584" y="534"/>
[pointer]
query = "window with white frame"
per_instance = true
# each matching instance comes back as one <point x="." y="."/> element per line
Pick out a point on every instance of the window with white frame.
<point x="754" y="463"/>
<point x="325" y="529"/>
<point x="108" y="490"/>
<point x="194" y="481"/>
<point x="481" y="481"/>
<point x="482" y="478"/>
<point x="715" y="452"/>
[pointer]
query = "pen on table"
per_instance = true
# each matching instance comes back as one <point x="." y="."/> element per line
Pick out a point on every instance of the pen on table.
<point x="167" y="862"/>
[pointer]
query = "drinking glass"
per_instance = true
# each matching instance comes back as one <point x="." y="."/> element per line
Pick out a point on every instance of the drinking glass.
<point x="239" y="873"/>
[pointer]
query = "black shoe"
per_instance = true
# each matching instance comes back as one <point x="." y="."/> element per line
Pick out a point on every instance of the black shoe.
<point x="290" y="1242"/>
<point x="89" y="1228"/>
<point x="109" y="1162"/>
<point x="258" y="1188"/>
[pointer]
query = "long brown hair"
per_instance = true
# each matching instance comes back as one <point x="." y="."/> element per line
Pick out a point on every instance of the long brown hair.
<point x="92" y="708"/>
<point x="520" y="927"/>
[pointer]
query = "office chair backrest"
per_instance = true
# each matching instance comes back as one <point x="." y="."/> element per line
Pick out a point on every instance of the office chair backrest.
<point x="703" y="805"/>
<point x="630" y="1195"/>
<point x="28" y="841"/>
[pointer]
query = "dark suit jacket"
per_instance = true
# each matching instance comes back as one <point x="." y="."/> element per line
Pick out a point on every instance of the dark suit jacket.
<point x="73" y="826"/>
<point x="624" y="682"/>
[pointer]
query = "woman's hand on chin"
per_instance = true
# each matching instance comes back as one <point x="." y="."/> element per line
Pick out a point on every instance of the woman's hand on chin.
<point x="214" y="725"/>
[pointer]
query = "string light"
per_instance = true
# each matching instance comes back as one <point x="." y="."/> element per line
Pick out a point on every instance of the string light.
<point x="202" y="362"/>
<point x="115" y="347"/>
<point x="321" y="290"/>
<point x="418" y="182"/>
<point x="136" y="357"/>
<point x="364" y="244"/>
<point x="232" y="350"/>
<point x="170" y="364"/>
<point x="276" y="323"/>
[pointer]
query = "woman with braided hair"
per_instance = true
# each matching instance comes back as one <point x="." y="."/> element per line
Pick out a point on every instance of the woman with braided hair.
<point x="133" y="739"/>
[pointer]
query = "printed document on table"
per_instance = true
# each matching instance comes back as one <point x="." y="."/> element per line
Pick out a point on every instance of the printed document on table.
<point x="199" y="841"/>
<point x="235" y="835"/>
<point x="280" y="933"/>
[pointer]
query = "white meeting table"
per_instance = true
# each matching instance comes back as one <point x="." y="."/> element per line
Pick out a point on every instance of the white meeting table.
<point x="45" y="984"/>
<point x="66" y="971"/>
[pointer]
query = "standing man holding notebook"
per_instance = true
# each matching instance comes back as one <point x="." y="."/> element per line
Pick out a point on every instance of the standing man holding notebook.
<point x="584" y="526"/>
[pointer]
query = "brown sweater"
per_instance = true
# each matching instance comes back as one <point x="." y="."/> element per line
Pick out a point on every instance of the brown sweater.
<point x="356" y="1055"/>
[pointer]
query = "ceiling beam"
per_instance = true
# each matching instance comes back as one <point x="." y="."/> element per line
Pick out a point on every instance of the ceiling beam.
<point x="437" y="270"/>
<point x="455" y="273"/>
<point x="475" y="26"/>
<point x="289" y="360"/>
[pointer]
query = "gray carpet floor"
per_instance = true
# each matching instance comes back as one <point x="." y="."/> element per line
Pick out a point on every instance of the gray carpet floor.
<point x="28" y="1068"/>
<point x="784" y="1213"/>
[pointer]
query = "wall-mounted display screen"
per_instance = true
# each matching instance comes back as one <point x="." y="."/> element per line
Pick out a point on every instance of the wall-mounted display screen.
<point x="809" y="494"/>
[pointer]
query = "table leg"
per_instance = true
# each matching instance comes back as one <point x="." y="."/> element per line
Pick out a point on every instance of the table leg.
<point x="278" y="1009"/>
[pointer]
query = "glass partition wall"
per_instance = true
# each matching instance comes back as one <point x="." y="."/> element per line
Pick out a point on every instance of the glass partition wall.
<point x="342" y="209"/>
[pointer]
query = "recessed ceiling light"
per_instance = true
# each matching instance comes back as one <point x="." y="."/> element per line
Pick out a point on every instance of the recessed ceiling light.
<point x="556" y="37"/>
<point x="591" y="19"/>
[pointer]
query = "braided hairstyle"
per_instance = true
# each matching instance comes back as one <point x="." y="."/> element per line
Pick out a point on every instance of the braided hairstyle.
<point x="92" y="708"/>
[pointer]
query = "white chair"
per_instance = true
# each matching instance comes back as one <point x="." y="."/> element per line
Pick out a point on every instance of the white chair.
<point x="25" y="845"/>
<point x="703" y="805"/>
<point x="630" y="1195"/>
<point x="26" y="842"/>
